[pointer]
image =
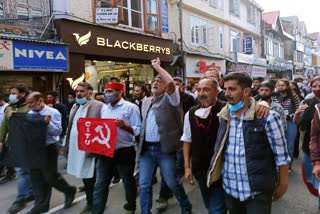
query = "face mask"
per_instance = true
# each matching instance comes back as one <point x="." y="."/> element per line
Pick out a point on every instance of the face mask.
<point x="35" y="107"/>
<point x="111" y="98"/>
<point x="13" y="98"/>
<point x="203" y="113"/>
<point x="299" y="84"/>
<point x="316" y="93"/>
<point x="70" y="100"/>
<point x="305" y="81"/>
<point x="81" y="101"/>
<point x="236" y="107"/>
<point x="50" y="101"/>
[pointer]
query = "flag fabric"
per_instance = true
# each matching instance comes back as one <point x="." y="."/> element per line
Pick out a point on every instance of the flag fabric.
<point x="310" y="181"/>
<point x="26" y="141"/>
<point x="97" y="136"/>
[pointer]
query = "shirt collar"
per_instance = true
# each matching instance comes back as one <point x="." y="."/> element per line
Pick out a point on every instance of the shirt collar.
<point x="121" y="101"/>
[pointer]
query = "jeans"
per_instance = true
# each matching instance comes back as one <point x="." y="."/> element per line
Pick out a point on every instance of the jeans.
<point x="213" y="197"/>
<point x="149" y="160"/>
<point x="123" y="161"/>
<point x="260" y="204"/>
<point x="291" y="138"/>
<point x="45" y="178"/>
<point x="24" y="184"/>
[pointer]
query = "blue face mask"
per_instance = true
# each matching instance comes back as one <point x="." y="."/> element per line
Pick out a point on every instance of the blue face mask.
<point x="13" y="98"/>
<point x="81" y="101"/>
<point x="236" y="107"/>
<point x="111" y="98"/>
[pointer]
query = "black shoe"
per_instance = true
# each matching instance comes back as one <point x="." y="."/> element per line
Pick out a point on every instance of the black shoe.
<point x="36" y="210"/>
<point x="70" y="197"/>
<point x="17" y="206"/>
<point x="29" y="198"/>
<point x="86" y="210"/>
<point x="186" y="210"/>
<point x="81" y="189"/>
<point x="129" y="208"/>
<point x="116" y="180"/>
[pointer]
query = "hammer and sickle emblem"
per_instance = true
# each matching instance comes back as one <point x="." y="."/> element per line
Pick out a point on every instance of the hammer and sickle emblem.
<point x="102" y="139"/>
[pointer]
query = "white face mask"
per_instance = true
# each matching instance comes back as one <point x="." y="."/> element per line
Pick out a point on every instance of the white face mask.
<point x="203" y="113"/>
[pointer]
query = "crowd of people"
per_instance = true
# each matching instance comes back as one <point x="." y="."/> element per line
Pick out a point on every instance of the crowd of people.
<point x="236" y="136"/>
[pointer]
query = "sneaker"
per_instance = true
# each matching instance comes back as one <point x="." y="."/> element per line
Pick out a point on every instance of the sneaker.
<point x="86" y="210"/>
<point x="161" y="204"/>
<point x="17" y="206"/>
<point x="70" y="197"/>
<point x="130" y="209"/>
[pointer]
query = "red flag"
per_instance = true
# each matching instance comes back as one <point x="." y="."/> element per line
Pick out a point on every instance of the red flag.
<point x="97" y="135"/>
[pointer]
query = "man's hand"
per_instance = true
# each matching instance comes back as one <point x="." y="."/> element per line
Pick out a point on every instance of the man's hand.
<point x="188" y="176"/>
<point x="10" y="113"/>
<point x="47" y="119"/>
<point x="301" y="109"/>
<point x="279" y="191"/>
<point x="262" y="109"/>
<point x="156" y="63"/>
<point x="316" y="171"/>
<point x="120" y="123"/>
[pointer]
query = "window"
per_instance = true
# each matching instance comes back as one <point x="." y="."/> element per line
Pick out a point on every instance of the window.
<point x="234" y="7"/>
<point x="23" y="12"/>
<point x="152" y="16"/>
<point x="216" y="4"/>
<point x="1" y="8"/>
<point x="234" y="41"/>
<point x="276" y="50"/>
<point x="131" y="13"/>
<point x="198" y="30"/>
<point x="104" y="3"/>
<point x="252" y="14"/>
<point x="221" y="40"/>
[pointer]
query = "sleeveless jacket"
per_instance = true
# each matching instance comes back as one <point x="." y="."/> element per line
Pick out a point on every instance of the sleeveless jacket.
<point x="168" y="119"/>
<point x="260" y="161"/>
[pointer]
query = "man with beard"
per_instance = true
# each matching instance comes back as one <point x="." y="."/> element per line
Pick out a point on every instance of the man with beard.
<point x="139" y="95"/>
<point x="18" y="103"/>
<point x="160" y="139"/>
<point x="265" y="91"/>
<point x="199" y="136"/>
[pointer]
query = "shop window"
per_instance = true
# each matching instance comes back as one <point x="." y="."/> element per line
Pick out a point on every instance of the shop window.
<point x="152" y="17"/>
<point x="1" y="8"/>
<point x="199" y="34"/>
<point x="221" y="37"/>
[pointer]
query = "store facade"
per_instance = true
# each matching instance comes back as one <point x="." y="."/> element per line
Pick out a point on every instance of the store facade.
<point x="39" y="65"/>
<point x="98" y="53"/>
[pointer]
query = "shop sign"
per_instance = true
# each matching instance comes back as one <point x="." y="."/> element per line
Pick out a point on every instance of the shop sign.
<point x="248" y="45"/>
<point x="299" y="46"/>
<point x="103" y="41"/>
<point x="245" y="58"/>
<point x="315" y="59"/>
<point x="6" y="55"/>
<point x="258" y="71"/>
<point x="34" y="56"/>
<point x="203" y="67"/>
<point x="107" y="15"/>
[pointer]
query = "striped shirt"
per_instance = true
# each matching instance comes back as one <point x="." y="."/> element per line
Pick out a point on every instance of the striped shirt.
<point x="234" y="173"/>
<point x="286" y="103"/>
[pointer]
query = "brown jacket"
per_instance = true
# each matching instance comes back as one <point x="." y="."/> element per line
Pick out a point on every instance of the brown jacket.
<point x="315" y="136"/>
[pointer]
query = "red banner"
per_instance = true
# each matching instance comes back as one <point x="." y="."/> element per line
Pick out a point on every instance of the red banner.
<point x="97" y="135"/>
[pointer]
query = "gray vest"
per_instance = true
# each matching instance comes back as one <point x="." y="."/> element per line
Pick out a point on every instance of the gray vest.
<point x="169" y="121"/>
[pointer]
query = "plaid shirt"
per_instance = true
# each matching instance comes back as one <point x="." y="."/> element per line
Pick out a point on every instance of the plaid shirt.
<point x="235" y="176"/>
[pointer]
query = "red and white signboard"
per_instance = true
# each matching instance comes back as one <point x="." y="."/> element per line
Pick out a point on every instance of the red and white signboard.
<point x="97" y="135"/>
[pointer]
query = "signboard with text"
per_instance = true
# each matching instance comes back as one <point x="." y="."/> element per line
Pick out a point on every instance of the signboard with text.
<point x="6" y="56"/>
<point x="36" y="56"/>
<point x="248" y="45"/>
<point x="107" y="15"/>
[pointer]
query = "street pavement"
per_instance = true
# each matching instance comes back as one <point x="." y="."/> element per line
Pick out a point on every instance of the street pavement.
<point x="296" y="201"/>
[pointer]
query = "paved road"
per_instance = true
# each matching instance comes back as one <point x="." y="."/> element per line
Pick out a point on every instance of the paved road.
<point x="296" y="201"/>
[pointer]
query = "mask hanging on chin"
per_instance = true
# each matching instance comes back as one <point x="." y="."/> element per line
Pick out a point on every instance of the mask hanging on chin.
<point x="203" y="113"/>
<point x="81" y="101"/>
<point x="236" y="107"/>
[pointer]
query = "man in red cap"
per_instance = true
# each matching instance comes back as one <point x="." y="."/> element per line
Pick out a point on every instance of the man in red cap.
<point x="127" y="118"/>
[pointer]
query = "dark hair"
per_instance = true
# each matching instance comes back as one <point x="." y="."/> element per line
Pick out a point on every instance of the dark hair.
<point x="296" y="89"/>
<point x="317" y="78"/>
<point x="36" y="95"/>
<point x="268" y="84"/>
<point x="53" y="93"/>
<point x="115" y="79"/>
<point x="143" y="88"/>
<point x="21" y="88"/>
<point x="260" y="79"/>
<point x="72" y="93"/>
<point x="86" y="85"/>
<point x="1" y="97"/>
<point x="243" y="79"/>
<point x="291" y="94"/>
<point x="98" y="94"/>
